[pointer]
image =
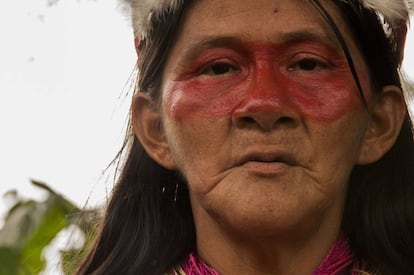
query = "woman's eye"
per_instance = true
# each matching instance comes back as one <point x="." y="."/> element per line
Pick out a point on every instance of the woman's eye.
<point x="218" y="69"/>
<point x="308" y="65"/>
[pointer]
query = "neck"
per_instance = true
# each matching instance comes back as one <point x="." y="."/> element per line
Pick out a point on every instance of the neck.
<point x="283" y="253"/>
<point x="339" y="260"/>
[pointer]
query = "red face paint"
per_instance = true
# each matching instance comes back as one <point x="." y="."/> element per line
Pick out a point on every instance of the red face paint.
<point x="308" y="78"/>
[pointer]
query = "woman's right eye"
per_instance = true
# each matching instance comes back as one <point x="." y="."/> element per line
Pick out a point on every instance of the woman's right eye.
<point x="218" y="69"/>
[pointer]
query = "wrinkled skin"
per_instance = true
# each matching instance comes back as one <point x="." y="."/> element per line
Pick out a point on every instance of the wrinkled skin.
<point x="261" y="115"/>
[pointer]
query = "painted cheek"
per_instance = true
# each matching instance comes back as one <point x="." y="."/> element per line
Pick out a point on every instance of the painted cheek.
<point x="192" y="99"/>
<point x="340" y="95"/>
<point x="327" y="100"/>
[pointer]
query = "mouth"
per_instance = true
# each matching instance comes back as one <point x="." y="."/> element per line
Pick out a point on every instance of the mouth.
<point x="267" y="164"/>
<point x="267" y="158"/>
<point x="264" y="164"/>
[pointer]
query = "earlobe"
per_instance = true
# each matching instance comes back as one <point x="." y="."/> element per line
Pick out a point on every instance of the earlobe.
<point x="147" y="125"/>
<point x="387" y="115"/>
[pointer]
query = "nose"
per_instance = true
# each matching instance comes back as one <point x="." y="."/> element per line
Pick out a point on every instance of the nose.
<point x="267" y="105"/>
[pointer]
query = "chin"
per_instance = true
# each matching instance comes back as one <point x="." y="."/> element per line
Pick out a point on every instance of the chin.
<point x="264" y="218"/>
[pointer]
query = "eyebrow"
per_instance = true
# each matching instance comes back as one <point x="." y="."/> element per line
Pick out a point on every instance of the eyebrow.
<point x="308" y="36"/>
<point x="194" y="49"/>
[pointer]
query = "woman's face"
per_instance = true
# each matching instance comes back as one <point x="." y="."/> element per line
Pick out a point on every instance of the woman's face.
<point x="261" y="113"/>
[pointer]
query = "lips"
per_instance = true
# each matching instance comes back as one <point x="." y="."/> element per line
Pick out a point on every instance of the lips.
<point x="268" y="164"/>
<point x="267" y="157"/>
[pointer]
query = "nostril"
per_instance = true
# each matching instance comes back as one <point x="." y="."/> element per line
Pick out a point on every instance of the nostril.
<point x="247" y="120"/>
<point x="285" y="120"/>
<point x="265" y="122"/>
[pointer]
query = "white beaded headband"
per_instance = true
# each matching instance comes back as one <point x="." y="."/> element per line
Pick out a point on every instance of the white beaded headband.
<point x="392" y="11"/>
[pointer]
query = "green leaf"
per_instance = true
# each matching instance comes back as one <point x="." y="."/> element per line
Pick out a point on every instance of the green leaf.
<point x="19" y="223"/>
<point x="52" y="221"/>
<point x="9" y="260"/>
<point x="29" y="227"/>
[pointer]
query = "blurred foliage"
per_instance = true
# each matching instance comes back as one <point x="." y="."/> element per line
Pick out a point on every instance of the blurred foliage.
<point x="30" y="226"/>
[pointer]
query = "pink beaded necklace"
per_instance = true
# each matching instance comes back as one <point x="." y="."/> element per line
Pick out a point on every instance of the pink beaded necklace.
<point x="338" y="261"/>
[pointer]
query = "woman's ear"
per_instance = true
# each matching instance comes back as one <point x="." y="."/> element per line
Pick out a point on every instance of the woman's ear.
<point x="387" y="115"/>
<point x="147" y="125"/>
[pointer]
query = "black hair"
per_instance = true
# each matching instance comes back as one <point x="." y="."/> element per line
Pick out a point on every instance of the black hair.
<point x="148" y="227"/>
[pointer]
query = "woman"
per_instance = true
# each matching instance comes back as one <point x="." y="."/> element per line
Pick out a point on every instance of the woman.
<point x="268" y="137"/>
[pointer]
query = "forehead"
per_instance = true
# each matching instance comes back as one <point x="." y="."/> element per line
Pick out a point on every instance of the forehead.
<point x="256" y="19"/>
<point x="270" y="21"/>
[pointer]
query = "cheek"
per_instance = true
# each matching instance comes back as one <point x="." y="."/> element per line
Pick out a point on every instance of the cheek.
<point x="323" y="98"/>
<point x="195" y="99"/>
<point x="328" y="99"/>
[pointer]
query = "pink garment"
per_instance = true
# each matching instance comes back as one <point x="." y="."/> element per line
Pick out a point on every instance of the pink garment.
<point x="195" y="266"/>
<point x="338" y="261"/>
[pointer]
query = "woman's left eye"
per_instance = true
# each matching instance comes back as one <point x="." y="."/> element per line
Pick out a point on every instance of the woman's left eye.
<point x="308" y="64"/>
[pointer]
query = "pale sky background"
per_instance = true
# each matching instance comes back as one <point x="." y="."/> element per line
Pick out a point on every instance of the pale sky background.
<point x="62" y="71"/>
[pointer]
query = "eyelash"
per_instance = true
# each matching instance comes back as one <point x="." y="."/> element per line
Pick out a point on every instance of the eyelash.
<point x="300" y="63"/>
<point x="218" y="66"/>
<point x="316" y="64"/>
